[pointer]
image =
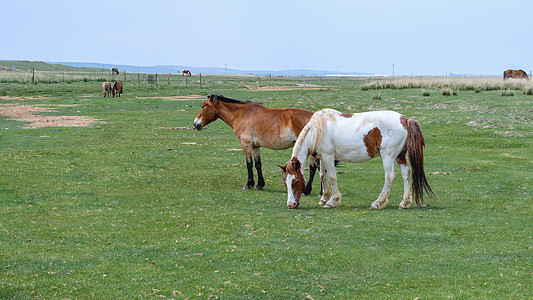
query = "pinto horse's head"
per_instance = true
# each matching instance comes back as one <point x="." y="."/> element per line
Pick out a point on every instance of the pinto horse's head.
<point x="207" y="113"/>
<point x="294" y="181"/>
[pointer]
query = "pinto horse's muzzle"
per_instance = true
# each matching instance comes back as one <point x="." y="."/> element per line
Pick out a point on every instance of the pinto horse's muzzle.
<point x="293" y="205"/>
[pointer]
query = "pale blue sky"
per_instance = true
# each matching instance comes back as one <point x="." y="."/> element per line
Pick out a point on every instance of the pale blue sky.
<point x="420" y="37"/>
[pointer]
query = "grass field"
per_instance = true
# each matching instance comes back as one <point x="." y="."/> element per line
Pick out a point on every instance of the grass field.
<point x="137" y="204"/>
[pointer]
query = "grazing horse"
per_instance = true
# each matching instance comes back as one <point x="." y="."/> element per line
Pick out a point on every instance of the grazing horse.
<point x="517" y="74"/>
<point x="186" y="72"/>
<point x="114" y="70"/>
<point x="257" y="126"/>
<point x="106" y="88"/>
<point x="117" y="88"/>
<point x="333" y="135"/>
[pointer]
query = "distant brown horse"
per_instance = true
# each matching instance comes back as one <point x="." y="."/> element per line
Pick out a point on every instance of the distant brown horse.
<point x="257" y="126"/>
<point x="117" y="88"/>
<point x="186" y="72"/>
<point x="517" y="74"/>
<point x="114" y="70"/>
<point x="106" y="88"/>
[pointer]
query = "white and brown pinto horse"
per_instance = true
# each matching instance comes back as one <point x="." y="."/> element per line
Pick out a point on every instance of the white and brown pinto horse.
<point x="257" y="126"/>
<point x="359" y="137"/>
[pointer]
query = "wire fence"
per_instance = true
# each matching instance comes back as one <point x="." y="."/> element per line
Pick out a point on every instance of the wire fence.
<point x="200" y="80"/>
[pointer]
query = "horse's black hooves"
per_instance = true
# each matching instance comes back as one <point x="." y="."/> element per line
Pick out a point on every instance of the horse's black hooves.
<point x="259" y="187"/>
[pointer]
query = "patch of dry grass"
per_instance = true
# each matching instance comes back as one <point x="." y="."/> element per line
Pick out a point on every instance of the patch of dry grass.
<point x="454" y="83"/>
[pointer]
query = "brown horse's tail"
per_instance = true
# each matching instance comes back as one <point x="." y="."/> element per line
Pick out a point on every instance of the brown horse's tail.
<point x="415" y="148"/>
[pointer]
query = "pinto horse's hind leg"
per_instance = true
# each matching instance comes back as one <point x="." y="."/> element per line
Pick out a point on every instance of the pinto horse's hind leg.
<point x="388" y="166"/>
<point x="258" y="165"/>
<point x="313" y="165"/>
<point x="406" y="176"/>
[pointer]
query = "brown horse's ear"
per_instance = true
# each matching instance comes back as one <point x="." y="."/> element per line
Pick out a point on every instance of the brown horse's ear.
<point x="284" y="168"/>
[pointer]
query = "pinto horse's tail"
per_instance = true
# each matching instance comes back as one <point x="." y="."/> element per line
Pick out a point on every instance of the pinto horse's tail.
<point x="415" y="148"/>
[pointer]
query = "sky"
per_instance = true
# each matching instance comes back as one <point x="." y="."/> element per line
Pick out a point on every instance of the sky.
<point x="407" y="37"/>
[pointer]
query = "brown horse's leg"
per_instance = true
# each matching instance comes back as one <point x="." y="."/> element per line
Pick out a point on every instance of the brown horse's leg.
<point x="250" y="183"/>
<point x="258" y="165"/>
<point x="313" y="165"/>
<point x="249" y="166"/>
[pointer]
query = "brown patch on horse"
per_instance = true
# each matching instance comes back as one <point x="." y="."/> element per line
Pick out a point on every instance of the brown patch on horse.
<point x="346" y="115"/>
<point x="403" y="121"/>
<point x="372" y="142"/>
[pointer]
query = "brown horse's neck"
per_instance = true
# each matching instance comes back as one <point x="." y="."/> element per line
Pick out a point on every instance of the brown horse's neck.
<point x="228" y="112"/>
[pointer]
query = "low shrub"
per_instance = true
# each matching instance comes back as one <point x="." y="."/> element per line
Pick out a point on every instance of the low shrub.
<point x="507" y="93"/>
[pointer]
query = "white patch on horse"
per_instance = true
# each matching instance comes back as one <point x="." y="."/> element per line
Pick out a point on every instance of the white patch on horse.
<point x="288" y="183"/>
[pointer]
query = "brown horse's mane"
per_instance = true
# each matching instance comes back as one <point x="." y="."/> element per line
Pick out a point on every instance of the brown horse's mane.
<point x="229" y="100"/>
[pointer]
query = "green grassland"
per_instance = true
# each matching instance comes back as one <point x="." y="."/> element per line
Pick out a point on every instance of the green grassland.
<point x="138" y="204"/>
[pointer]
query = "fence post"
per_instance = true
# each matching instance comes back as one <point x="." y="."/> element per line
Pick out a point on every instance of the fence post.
<point x="124" y="71"/>
<point x="155" y="78"/>
<point x="200" y="80"/>
<point x="32" y="76"/>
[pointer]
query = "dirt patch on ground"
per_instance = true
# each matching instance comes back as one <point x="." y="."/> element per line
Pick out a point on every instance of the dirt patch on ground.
<point x="176" y="98"/>
<point x="21" y="98"/>
<point x="28" y="113"/>
<point x="288" y="88"/>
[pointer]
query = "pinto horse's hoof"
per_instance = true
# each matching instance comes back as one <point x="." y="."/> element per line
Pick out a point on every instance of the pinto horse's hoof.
<point x="246" y="187"/>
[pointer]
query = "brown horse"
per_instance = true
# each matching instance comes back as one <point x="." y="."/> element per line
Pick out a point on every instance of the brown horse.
<point x="517" y="74"/>
<point x="117" y="88"/>
<point x="114" y="70"/>
<point x="186" y="72"/>
<point x="106" y="88"/>
<point x="257" y="126"/>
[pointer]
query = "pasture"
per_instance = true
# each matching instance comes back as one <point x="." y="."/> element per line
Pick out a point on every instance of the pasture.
<point x="135" y="203"/>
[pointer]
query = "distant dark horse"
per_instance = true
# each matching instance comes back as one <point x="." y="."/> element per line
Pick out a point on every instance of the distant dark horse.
<point x="517" y="74"/>
<point x="117" y="88"/>
<point x="186" y="72"/>
<point x="114" y="70"/>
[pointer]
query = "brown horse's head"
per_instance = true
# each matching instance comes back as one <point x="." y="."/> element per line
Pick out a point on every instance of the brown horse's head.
<point x="207" y="113"/>
<point x="294" y="181"/>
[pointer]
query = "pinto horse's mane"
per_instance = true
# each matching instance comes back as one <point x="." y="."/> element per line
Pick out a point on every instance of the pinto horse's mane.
<point x="316" y="126"/>
<point x="229" y="100"/>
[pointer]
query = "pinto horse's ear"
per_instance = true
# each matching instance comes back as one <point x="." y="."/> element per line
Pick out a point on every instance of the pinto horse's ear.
<point x="296" y="163"/>
<point x="284" y="168"/>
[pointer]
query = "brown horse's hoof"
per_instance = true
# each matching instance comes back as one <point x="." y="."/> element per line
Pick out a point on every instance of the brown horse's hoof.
<point x="258" y="187"/>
